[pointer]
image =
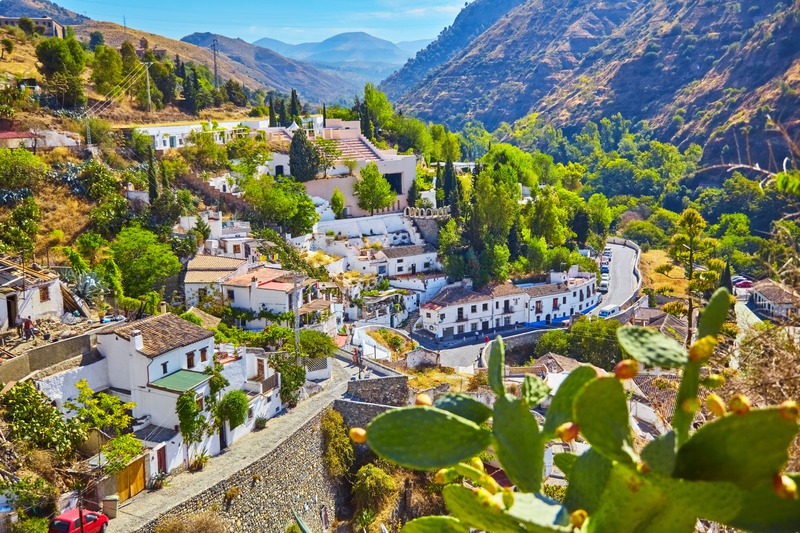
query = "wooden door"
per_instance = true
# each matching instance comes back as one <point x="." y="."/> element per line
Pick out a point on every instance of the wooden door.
<point x="161" y="455"/>
<point x="130" y="481"/>
<point x="260" y="370"/>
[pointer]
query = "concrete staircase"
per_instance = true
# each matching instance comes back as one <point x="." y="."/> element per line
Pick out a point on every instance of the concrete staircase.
<point x="412" y="319"/>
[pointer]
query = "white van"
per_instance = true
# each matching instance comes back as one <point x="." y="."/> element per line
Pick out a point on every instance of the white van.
<point x="604" y="286"/>
<point x="609" y="310"/>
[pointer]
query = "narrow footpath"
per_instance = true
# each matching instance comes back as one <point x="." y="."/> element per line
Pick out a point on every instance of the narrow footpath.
<point x="140" y="510"/>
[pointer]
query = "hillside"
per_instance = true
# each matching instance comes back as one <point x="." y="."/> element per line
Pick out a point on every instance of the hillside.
<point x="357" y="56"/>
<point x="716" y="65"/>
<point x="277" y="71"/>
<point x="471" y="22"/>
<point x="40" y="8"/>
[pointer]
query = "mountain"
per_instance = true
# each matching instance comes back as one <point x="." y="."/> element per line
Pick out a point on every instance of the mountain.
<point x="412" y="47"/>
<point x="40" y="8"/>
<point x="357" y="56"/>
<point x="277" y="71"/>
<point x="697" y="71"/>
<point x="471" y="22"/>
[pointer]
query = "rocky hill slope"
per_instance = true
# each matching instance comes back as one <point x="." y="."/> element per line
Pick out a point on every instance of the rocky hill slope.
<point x="40" y="8"/>
<point x="706" y="71"/>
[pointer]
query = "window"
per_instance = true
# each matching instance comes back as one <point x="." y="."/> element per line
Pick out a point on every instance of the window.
<point x="507" y="321"/>
<point x="200" y="401"/>
<point x="237" y="248"/>
<point x="44" y="294"/>
<point x="473" y="326"/>
<point x="399" y="261"/>
<point x="201" y="293"/>
<point x="230" y="294"/>
<point x="427" y="315"/>
<point x="565" y="300"/>
<point x="190" y="360"/>
<point x="164" y="367"/>
<point x="441" y="316"/>
<point x="250" y="413"/>
<point x="474" y="309"/>
<point x="461" y="329"/>
<point x="427" y="264"/>
<point x="203" y="355"/>
<point x="497" y="305"/>
<point x="485" y="307"/>
<point x="399" y="269"/>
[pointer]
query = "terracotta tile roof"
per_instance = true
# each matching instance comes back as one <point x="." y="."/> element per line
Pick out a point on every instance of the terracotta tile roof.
<point x="660" y="391"/>
<point x="549" y="289"/>
<point x="16" y="135"/>
<point x="775" y="292"/>
<point x="672" y="326"/>
<point x="557" y="363"/>
<point x="161" y="333"/>
<point x="212" y="262"/>
<point x="205" y="276"/>
<point x="270" y="279"/>
<point x="396" y="252"/>
<point x="453" y="296"/>
<point x="500" y="290"/>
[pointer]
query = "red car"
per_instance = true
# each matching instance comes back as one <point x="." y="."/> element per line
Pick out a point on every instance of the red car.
<point x="69" y="523"/>
<point x="746" y="284"/>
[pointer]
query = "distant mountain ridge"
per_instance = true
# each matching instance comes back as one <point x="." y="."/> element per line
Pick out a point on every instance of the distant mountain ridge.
<point x="344" y="47"/>
<point x="697" y="71"/>
<point x="41" y="8"/>
<point x="279" y="72"/>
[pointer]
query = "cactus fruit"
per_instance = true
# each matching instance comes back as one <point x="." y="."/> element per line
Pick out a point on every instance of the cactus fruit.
<point x="789" y="410"/>
<point x="568" y="431"/>
<point x="358" y="435"/>
<point x="642" y="468"/>
<point x="784" y="486"/>
<point x="739" y="404"/>
<point x="715" y="405"/>
<point x="713" y="381"/>
<point x="703" y="348"/>
<point x="486" y="499"/>
<point x="578" y="518"/>
<point x="508" y="497"/>
<point x="626" y="369"/>
<point x="690" y="405"/>
<point x="488" y="482"/>
<point x="445" y="476"/>
<point x="423" y="399"/>
<point x="477" y="464"/>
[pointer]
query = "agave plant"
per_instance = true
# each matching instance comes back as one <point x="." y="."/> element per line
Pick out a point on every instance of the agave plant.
<point x="90" y="287"/>
<point x="728" y="470"/>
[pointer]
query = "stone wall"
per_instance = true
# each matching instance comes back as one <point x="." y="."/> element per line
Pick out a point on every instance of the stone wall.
<point x="429" y="229"/>
<point x="45" y="356"/>
<point x="384" y="391"/>
<point x="358" y="414"/>
<point x="291" y="477"/>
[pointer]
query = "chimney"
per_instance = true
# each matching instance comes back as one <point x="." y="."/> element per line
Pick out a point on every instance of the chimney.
<point x="162" y="307"/>
<point x="254" y="283"/>
<point x="136" y="340"/>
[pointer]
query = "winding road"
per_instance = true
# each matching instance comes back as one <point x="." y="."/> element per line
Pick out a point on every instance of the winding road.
<point x="623" y="283"/>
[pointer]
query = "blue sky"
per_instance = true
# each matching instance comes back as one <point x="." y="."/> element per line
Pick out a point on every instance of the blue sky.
<point x="289" y="21"/>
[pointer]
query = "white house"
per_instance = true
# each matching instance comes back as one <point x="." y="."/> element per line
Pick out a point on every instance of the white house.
<point x="205" y="273"/>
<point x="272" y="291"/>
<point x="410" y="259"/>
<point x="153" y="361"/>
<point x="774" y="299"/>
<point x="28" y="292"/>
<point x="459" y="310"/>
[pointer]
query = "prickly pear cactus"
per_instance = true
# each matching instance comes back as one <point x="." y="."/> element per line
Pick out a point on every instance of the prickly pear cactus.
<point x="727" y="471"/>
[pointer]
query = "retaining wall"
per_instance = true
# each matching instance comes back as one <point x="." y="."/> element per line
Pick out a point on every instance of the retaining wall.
<point x="392" y="391"/>
<point x="292" y="476"/>
<point x="45" y="356"/>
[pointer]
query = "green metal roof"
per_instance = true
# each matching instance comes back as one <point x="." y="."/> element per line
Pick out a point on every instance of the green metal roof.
<point x="180" y="381"/>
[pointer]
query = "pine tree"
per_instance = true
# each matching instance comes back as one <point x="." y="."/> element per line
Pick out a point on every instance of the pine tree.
<point x="273" y="122"/>
<point x="152" y="184"/>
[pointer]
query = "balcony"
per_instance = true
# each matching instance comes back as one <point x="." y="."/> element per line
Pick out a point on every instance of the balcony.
<point x="462" y="318"/>
<point x="263" y="386"/>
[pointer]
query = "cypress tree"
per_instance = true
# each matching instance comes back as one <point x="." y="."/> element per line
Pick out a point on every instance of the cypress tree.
<point x="294" y="105"/>
<point x="449" y="179"/>
<point x="152" y="184"/>
<point x="281" y="110"/>
<point x="725" y="279"/>
<point x="273" y="122"/>
<point x="303" y="158"/>
<point x="324" y="117"/>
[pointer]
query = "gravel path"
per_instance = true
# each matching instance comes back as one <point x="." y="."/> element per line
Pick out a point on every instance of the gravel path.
<point x="138" y="511"/>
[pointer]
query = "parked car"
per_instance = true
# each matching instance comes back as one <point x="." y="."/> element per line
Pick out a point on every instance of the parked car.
<point x="745" y="284"/>
<point x="605" y="277"/>
<point x="737" y="279"/>
<point x="604" y="269"/>
<point x="604" y="286"/>
<point x="69" y="522"/>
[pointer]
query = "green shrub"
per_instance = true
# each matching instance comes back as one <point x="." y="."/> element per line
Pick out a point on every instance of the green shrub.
<point x="373" y="487"/>
<point x="30" y="525"/>
<point x="261" y="422"/>
<point x="338" y="456"/>
<point x="233" y="407"/>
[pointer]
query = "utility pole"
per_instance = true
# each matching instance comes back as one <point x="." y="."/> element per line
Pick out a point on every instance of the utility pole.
<point x="296" y="314"/>
<point x="214" y="46"/>
<point x="88" y="132"/>
<point x="125" y="25"/>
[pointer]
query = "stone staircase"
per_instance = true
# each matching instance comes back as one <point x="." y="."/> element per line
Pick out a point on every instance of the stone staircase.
<point x="412" y="319"/>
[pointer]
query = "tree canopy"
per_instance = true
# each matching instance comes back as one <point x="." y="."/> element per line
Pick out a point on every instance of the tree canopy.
<point x="373" y="191"/>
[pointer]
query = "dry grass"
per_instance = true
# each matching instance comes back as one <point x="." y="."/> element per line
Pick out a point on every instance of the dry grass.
<point x="424" y="378"/>
<point x="207" y="522"/>
<point x="22" y="61"/>
<point x="652" y="279"/>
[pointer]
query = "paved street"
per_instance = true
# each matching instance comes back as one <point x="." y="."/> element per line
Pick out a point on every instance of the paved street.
<point x="623" y="282"/>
